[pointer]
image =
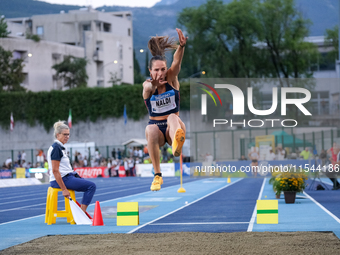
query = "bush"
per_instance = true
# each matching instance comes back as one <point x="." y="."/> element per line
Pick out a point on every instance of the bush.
<point x="35" y="38"/>
<point x="86" y="104"/>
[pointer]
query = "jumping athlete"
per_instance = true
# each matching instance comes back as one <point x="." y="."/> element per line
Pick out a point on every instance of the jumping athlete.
<point x="161" y="97"/>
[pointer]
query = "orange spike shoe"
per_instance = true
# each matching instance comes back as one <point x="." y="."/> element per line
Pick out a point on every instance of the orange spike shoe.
<point x="156" y="184"/>
<point x="177" y="142"/>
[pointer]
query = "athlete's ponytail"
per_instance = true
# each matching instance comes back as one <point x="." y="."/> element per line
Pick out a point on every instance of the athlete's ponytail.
<point x="158" y="45"/>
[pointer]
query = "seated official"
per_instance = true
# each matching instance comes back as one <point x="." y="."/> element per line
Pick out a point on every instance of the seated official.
<point x="61" y="173"/>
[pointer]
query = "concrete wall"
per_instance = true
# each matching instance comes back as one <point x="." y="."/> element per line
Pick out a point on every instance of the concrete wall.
<point x="110" y="131"/>
<point x="113" y="132"/>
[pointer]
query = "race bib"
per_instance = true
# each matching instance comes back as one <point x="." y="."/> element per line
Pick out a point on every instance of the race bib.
<point x="164" y="102"/>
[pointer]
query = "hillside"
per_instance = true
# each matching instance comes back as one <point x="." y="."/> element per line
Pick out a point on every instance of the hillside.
<point x="161" y="18"/>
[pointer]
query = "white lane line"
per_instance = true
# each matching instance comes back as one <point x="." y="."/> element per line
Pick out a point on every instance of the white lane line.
<point x="27" y="194"/>
<point x="148" y="185"/>
<point x="228" y="185"/>
<point x="115" y="191"/>
<point x="322" y="207"/>
<point x="59" y="195"/>
<point x="12" y="209"/>
<point x="100" y="202"/>
<point x="39" y="198"/>
<point x="18" y="201"/>
<point x="39" y="193"/>
<point x="22" y="219"/>
<point x="253" y="217"/>
<point x="198" y="223"/>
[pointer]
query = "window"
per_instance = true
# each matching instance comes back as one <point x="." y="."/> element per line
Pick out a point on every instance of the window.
<point x="25" y="81"/>
<point x="98" y="25"/>
<point x="56" y="57"/>
<point x="121" y="72"/>
<point x="121" y="51"/>
<point x="128" y="16"/>
<point x="17" y="54"/>
<point x="107" y="27"/>
<point x="40" y="30"/>
<point x="324" y="63"/>
<point x="100" y="70"/>
<point x="87" y="27"/>
<point x="99" y="45"/>
<point x="129" y="31"/>
<point x="100" y="83"/>
<point x="324" y="94"/>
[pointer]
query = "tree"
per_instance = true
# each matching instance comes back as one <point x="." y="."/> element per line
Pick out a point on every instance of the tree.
<point x="11" y="75"/>
<point x="138" y="77"/>
<point x="332" y="38"/>
<point x="146" y="63"/>
<point x="3" y="27"/>
<point x="223" y="37"/>
<point x="190" y="63"/>
<point x="283" y="31"/>
<point x="248" y="39"/>
<point x="73" y="71"/>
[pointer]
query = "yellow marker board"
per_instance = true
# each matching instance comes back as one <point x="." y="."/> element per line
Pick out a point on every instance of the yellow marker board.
<point x="127" y="214"/>
<point x="267" y="212"/>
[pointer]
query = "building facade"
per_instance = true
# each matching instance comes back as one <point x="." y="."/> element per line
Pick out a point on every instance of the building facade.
<point x="104" y="39"/>
<point x="39" y="57"/>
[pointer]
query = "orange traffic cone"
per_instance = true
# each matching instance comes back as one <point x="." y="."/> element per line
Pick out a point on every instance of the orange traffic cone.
<point x="97" y="217"/>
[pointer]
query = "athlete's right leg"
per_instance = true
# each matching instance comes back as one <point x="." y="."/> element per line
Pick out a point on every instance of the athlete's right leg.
<point x="155" y="139"/>
<point x="175" y="134"/>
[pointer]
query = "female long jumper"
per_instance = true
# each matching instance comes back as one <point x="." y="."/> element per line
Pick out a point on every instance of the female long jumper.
<point x="161" y="97"/>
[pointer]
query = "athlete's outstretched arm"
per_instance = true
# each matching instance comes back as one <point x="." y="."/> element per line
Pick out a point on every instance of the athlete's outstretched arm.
<point x="178" y="56"/>
<point x="150" y="85"/>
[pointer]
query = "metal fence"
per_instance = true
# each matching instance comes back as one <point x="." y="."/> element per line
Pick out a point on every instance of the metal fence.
<point x="223" y="145"/>
<point x="231" y="144"/>
<point x="31" y="154"/>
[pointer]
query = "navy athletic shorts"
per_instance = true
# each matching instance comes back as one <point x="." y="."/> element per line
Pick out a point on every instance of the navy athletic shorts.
<point x="161" y="124"/>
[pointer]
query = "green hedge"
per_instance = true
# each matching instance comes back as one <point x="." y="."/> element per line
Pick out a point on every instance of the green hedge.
<point x="86" y="104"/>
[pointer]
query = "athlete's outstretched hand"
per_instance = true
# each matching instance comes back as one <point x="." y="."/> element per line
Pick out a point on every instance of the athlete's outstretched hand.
<point x="155" y="80"/>
<point x="182" y="39"/>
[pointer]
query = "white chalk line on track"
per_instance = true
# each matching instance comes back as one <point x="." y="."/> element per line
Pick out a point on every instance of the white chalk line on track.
<point x="60" y="195"/>
<point x="23" y="219"/>
<point x="102" y="202"/>
<point x="116" y="191"/>
<point x="78" y="194"/>
<point x="39" y="193"/>
<point x="211" y="193"/>
<point x="322" y="207"/>
<point x="198" y="223"/>
<point x="253" y="217"/>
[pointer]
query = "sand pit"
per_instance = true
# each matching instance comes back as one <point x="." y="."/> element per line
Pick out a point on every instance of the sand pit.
<point x="183" y="243"/>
